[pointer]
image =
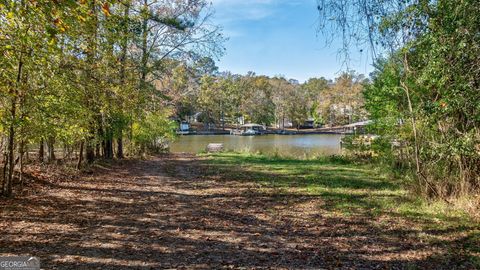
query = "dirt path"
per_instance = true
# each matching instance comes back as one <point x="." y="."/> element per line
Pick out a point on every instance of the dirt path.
<point x="159" y="214"/>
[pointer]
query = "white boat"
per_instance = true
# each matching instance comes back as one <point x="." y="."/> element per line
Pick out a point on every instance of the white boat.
<point x="249" y="130"/>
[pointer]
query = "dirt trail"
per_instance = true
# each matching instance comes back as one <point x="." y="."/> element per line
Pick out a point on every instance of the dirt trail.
<point x="159" y="213"/>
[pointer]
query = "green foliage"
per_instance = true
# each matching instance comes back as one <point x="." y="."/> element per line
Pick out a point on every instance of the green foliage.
<point x="70" y="72"/>
<point x="425" y="90"/>
<point x="438" y="71"/>
<point x="153" y="131"/>
<point x="264" y="100"/>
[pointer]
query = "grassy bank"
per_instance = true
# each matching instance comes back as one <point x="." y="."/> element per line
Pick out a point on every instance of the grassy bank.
<point x="350" y="190"/>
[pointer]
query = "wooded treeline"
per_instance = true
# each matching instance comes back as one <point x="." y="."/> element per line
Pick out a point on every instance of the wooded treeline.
<point x="425" y="92"/>
<point x="84" y="74"/>
<point x="225" y="98"/>
<point x="100" y="78"/>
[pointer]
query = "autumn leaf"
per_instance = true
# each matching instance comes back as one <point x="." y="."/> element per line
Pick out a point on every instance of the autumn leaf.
<point x="106" y="9"/>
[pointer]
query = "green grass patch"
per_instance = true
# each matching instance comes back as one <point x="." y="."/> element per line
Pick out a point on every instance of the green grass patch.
<point x="345" y="186"/>
<point x="347" y="189"/>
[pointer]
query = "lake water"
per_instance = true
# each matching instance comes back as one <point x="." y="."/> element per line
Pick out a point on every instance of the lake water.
<point x="287" y="145"/>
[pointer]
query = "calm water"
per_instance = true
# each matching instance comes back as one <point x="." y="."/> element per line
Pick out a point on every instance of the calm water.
<point x="288" y="145"/>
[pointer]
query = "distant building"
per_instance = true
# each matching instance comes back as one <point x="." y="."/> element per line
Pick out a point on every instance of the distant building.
<point x="309" y="123"/>
<point x="184" y="126"/>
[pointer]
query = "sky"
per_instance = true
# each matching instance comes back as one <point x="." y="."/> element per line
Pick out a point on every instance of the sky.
<point x="280" y="37"/>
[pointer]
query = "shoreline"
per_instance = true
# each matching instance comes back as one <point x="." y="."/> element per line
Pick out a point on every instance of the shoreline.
<point x="227" y="132"/>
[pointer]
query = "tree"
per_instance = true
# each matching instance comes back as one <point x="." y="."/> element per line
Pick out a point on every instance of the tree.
<point x="21" y="30"/>
<point x="81" y="73"/>
<point x="258" y="106"/>
<point x="426" y="81"/>
<point x="314" y="88"/>
<point x="281" y="90"/>
<point x="209" y="99"/>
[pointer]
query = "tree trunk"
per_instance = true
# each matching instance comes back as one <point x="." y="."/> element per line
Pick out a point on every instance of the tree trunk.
<point x="41" y="151"/>
<point x="104" y="148"/>
<point x="412" y="116"/>
<point x="100" y="146"/>
<point x="51" y="149"/>
<point x="108" y="149"/>
<point x="144" y="47"/>
<point x="123" y="62"/>
<point x="97" y="150"/>
<point x="80" y="156"/>
<point x="21" y="152"/>
<point x="4" y="172"/>
<point x="90" y="151"/>
<point x="10" y="151"/>
<point x="120" y="146"/>
<point x="90" y="98"/>
<point x="11" y="134"/>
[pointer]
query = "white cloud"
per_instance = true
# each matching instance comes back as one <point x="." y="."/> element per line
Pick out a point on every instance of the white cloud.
<point x="238" y="10"/>
<point x="232" y="13"/>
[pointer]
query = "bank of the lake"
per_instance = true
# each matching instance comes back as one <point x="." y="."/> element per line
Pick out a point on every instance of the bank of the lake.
<point x="414" y="232"/>
<point x="285" y="145"/>
<point x="234" y="210"/>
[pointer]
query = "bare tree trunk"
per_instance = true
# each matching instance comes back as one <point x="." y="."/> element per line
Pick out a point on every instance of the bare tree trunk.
<point x="123" y="62"/>
<point x="51" y="149"/>
<point x="414" y="128"/>
<point x="97" y="150"/>
<point x="10" y="152"/>
<point x="412" y="115"/>
<point x="108" y="145"/>
<point x="90" y="99"/>
<point x="4" y="160"/>
<point x="120" y="146"/>
<point x="90" y="150"/>
<point x="4" y="172"/>
<point x="80" y="156"/>
<point x="144" y="47"/>
<point x="21" y="152"/>
<point x="41" y="151"/>
<point x="11" y="134"/>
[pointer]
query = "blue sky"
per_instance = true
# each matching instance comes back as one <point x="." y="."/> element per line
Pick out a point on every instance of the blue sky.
<point x="279" y="37"/>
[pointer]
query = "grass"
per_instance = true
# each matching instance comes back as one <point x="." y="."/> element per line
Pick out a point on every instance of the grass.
<point x="345" y="186"/>
<point x="350" y="189"/>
